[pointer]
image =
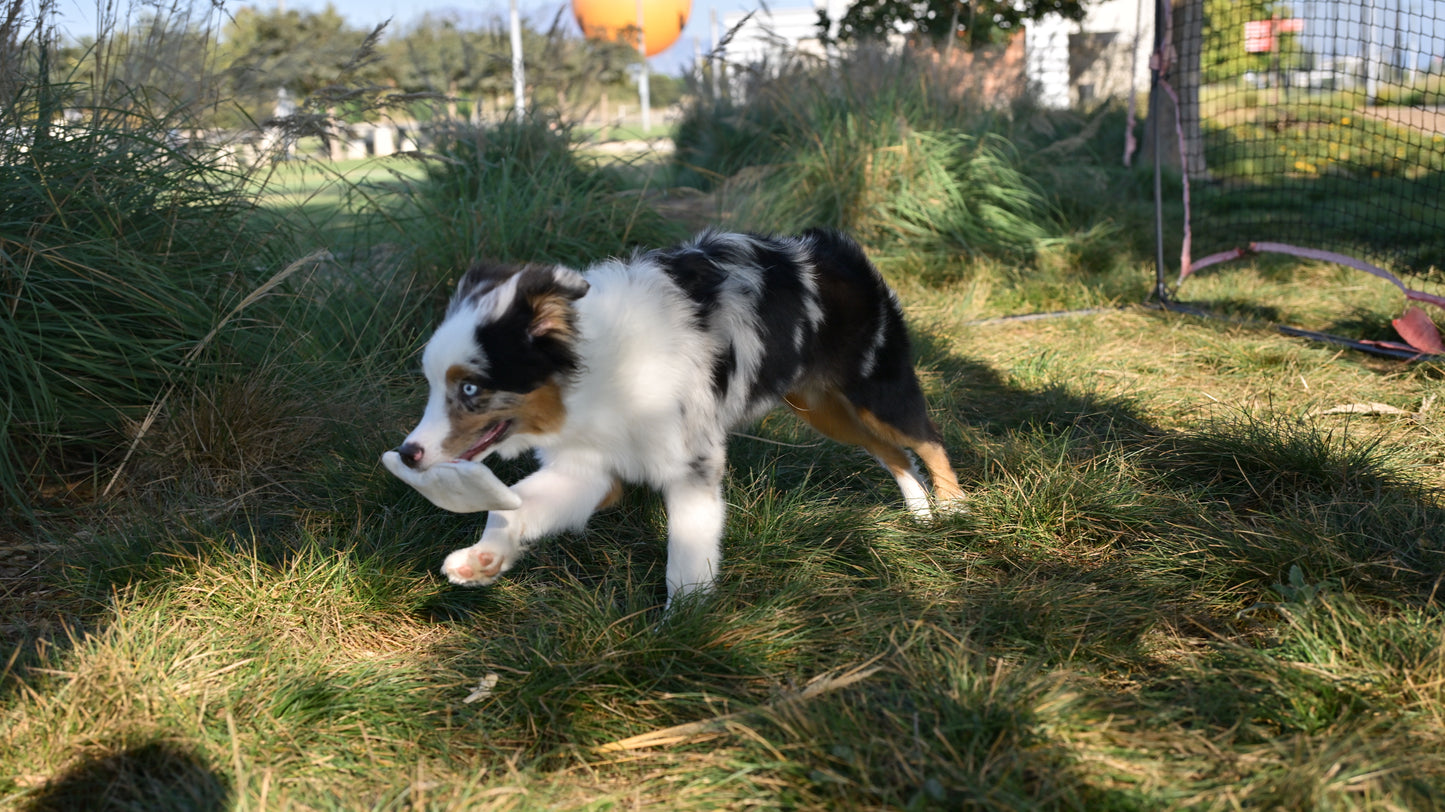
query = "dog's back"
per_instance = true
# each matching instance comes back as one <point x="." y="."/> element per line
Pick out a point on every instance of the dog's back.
<point x="782" y="312"/>
<point x="695" y="340"/>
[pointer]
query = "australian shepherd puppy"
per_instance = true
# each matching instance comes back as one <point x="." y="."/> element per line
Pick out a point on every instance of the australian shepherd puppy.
<point x="636" y="370"/>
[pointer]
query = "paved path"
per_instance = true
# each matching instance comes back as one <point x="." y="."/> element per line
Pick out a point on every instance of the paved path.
<point x="1426" y="119"/>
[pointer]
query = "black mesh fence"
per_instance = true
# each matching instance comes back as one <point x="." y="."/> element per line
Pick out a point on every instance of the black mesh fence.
<point x="1315" y="124"/>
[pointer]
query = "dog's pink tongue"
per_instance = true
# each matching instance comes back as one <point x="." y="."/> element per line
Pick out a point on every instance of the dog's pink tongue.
<point x="486" y="441"/>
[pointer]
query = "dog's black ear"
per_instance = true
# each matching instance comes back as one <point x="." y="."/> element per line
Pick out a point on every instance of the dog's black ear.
<point x="551" y="292"/>
<point x="569" y="284"/>
<point x="480" y="279"/>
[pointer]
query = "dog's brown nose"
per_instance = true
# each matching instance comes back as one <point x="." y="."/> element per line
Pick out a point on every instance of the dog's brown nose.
<point x="410" y="454"/>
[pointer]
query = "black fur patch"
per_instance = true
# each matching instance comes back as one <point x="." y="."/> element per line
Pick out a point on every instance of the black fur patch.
<point x="781" y="312"/>
<point x="517" y="361"/>
<point x="479" y="280"/>
<point x="862" y="322"/>
<point x="696" y="274"/>
<point x="850" y="290"/>
<point x="724" y="366"/>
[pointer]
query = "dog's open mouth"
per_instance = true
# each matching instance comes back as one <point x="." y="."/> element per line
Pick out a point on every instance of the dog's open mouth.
<point x="489" y="438"/>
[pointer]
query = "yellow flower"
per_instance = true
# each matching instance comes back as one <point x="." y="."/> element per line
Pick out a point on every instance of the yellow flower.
<point x="1345" y="121"/>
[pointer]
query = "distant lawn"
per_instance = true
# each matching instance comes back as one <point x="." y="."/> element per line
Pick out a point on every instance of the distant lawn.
<point x="1323" y="170"/>
<point x="324" y="196"/>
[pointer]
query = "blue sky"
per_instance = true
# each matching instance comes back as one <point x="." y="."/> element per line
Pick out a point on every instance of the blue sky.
<point x="77" y="16"/>
<point x="1422" y="20"/>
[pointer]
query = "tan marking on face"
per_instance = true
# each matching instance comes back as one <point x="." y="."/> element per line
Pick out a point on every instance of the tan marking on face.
<point x="537" y="412"/>
<point x="467" y="428"/>
<point x="541" y="410"/>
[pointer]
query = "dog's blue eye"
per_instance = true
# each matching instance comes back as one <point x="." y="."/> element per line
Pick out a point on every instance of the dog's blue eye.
<point x="470" y="390"/>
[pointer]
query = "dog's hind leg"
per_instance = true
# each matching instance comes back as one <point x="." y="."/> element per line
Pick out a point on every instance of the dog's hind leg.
<point x="834" y="416"/>
<point x="930" y="451"/>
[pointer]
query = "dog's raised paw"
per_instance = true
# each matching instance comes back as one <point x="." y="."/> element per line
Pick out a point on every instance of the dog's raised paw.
<point x="957" y="506"/>
<point x="473" y="567"/>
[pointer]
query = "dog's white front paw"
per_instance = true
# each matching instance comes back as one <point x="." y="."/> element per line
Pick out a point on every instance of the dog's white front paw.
<point x="957" y="506"/>
<point x="475" y="566"/>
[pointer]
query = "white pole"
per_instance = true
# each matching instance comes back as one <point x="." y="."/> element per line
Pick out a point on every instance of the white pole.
<point x="519" y="81"/>
<point x="1372" y="57"/>
<point x="643" y="89"/>
<point x="714" y="58"/>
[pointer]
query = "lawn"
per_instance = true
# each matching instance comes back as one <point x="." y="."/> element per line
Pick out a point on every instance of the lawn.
<point x="1181" y="582"/>
<point x="320" y="196"/>
<point x="1198" y="569"/>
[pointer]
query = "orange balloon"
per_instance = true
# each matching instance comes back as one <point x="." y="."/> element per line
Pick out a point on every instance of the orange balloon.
<point x="616" y="20"/>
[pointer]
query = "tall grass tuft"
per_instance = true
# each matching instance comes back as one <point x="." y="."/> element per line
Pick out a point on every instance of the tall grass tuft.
<point x="120" y="251"/>
<point x="519" y="191"/>
<point x="871" y="145"/>
<point x="929" y="191"/>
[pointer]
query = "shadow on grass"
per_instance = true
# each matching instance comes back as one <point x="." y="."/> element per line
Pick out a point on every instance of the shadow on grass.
<point x="156" y="776"/>
<point x="1091" y="529"/>
<point x="1232" y="308"/>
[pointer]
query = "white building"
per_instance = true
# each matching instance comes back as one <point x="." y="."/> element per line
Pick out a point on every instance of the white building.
<point x="1068" y="63"/>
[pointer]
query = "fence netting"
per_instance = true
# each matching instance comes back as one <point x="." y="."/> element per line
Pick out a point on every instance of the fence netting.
<point x="1317" y="124"/>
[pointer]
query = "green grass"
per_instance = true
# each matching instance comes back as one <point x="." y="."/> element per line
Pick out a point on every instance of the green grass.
<point x="124" y="262"/>
<point x="328" y="197"/>
<point x="516" y="192"/>
<point x="1174" y="587"/>
<point x="1183" y="581"/>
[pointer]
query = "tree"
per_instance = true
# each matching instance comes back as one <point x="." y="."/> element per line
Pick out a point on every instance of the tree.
<point x="442" y="54"/>
<point x="1223" y="54"/>
<point x="438" y="55"/>
<point x="977" y="22"/>
<point x="573" y="71"/>
<point x="162" y="63"/>
<point x="300" y="51"/>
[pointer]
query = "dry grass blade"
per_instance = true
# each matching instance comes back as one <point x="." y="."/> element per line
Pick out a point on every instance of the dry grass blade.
<point x="1367" y="408"/>
<point x="678" y="734"/>
<point x="251" y="298"/>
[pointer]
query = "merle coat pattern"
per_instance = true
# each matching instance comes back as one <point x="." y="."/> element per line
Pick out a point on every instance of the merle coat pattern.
<point x="637" y="369"/>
